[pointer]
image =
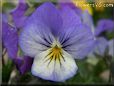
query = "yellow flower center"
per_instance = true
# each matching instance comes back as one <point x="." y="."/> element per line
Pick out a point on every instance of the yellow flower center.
<point x="56" y="50"/>
<point x="55" y="53"/>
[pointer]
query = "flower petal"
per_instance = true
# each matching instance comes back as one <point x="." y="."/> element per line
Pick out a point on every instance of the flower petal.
<point x="54" y="71"/>
<point x="37" y="33"/>
<point x="101" y="46"/>
<point x="70" y="18"/>
<point x="4" y="17"/>
<point x="104" y="25"/>
<point x="18" y="62"/>
<point x="87" y="19"/>
<point x="23" y="64"/>
<point x="28" y="61"/>
<point x="10" y="39"/>
<point x="49" y="16"/>
<point x="78" y="40"/>
<point x="35" y="38"/>
<point x="111" y="47"/>
<point x="18" y="14"/>
<point x="69" y="3"/>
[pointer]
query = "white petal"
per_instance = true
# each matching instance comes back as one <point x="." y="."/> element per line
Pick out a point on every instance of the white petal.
<point x="54" y="71"/>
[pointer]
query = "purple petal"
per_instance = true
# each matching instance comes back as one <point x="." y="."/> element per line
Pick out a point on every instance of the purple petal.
<point x="111" y="47"/>
<point x="78" y="40"/>
<point x="87" y="19"/>
<point x="101" y="45"/>
<point x="10" y="39"/>
<point x="104" y="25"/>
<point x="70" y="4"/>
<point x="18" y="62"/>
<point x="23" y="65"/>
<point x="70" y="18"/>
<point x="48" y="15"/>
<point x="4" y="17"/>
<point x="35" y="38"/>
<point x="27" y="65"/>
<point x="18" y="14"/>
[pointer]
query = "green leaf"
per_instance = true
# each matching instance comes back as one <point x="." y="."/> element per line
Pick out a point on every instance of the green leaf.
<point x="8" y="6"/>
<point x="6" y="71"/>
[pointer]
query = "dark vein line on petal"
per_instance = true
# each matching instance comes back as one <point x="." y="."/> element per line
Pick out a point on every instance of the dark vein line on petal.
<point x="62" y="57"/>
<point x="59" y="61"/>
<point x="47" y="41"/>
<point x="65" y="41"/>
<point x="48" y="54"/>
<point x="44" y="45"/>
<point x="50" y="60"/>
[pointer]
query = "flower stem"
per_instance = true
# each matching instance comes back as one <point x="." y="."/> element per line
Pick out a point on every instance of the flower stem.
<point x="110" y="66"/>
<point x="3" y="54"/>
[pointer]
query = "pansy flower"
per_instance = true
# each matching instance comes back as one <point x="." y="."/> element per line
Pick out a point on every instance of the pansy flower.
<point x="103" y="25"/>
<point x="18" y="14"/>
<point x="10" y="37"/>
<point x="54" y="38"/>
<point x="10" y="43"/>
